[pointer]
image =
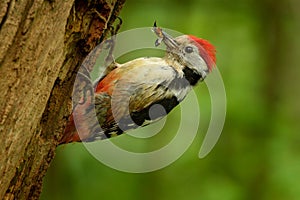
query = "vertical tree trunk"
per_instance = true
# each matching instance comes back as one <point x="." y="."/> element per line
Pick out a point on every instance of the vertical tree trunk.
<point x="41" y="47"/>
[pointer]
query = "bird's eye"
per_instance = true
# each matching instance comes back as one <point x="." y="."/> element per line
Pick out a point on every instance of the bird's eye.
<point x="188" y="49"/>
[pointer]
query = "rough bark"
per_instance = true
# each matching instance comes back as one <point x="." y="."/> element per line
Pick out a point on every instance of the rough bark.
<point x="42" y="45"/>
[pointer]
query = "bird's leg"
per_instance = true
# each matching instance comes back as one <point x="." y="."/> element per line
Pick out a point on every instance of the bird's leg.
<point x="110" y="63"/>
<point x="83" y="88"/>
<point x="111" y="42"/>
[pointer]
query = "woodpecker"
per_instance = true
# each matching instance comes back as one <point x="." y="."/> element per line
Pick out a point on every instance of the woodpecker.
<point x="126" y="92"/>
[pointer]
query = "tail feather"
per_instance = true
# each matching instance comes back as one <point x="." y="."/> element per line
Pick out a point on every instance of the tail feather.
<point x="70" y="134"/>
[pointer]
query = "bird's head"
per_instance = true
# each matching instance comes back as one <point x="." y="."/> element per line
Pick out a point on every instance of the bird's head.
<point x="194" y="53"/>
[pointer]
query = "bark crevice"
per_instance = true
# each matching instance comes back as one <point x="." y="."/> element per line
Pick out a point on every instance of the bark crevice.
<point x="43" y="43"/>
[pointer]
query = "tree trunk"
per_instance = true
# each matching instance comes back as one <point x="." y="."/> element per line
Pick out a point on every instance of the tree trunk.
<point x="42" y="45"/>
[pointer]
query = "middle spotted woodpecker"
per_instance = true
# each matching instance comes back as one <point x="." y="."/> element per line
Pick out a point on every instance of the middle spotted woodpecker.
<point x="125" y="93"/>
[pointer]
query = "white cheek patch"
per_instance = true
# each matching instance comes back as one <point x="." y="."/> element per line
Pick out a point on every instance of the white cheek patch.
<point x="203" y="65"/>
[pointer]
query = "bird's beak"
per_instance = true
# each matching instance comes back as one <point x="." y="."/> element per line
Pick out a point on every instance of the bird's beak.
<point x="164" y="37"/>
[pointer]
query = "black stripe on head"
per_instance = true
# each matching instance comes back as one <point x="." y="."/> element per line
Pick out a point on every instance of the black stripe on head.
<point x="191" y="76"/>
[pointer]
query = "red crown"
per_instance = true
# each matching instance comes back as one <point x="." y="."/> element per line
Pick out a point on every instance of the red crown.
<point x="207" y="51"/>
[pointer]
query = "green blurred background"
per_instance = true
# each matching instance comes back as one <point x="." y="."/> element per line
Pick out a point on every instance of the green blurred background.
<point x="257" y="156"/>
